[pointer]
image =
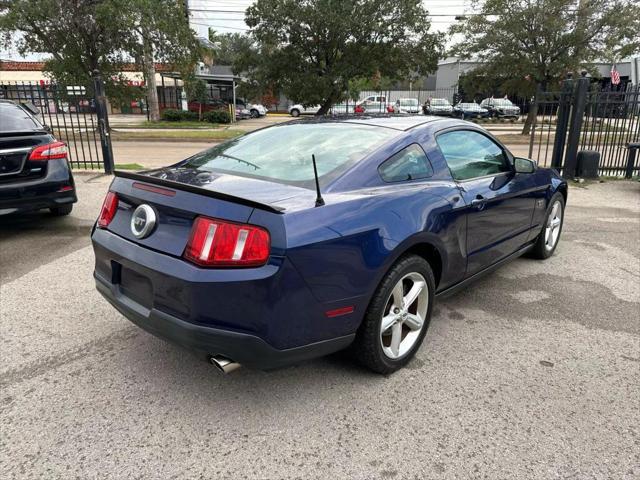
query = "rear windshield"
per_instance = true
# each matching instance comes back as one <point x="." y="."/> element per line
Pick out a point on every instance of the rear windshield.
<point x="15" y="119"/>
<point x="283" y="153"/>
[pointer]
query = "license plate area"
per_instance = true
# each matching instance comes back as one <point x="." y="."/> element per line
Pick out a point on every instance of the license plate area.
<point x="133" y="285"/>
<point x="11" y="163"/>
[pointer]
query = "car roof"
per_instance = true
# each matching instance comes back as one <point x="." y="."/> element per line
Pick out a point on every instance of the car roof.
<point x="396" y="122"/>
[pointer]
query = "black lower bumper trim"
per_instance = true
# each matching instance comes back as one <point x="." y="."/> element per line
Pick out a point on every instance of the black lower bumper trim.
<point x="246" y="349"/>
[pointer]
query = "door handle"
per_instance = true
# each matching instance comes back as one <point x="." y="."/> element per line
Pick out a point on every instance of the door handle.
<point x="478" y="201"/>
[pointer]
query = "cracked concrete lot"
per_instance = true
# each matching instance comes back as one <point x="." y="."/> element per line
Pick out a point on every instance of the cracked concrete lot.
<point x="531" y="373"/>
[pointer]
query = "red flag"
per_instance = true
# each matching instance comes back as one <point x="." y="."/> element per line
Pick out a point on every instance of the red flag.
<point x="615" y="75"/>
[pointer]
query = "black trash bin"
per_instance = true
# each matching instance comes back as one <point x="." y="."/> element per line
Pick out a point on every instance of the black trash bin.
<point x="631" y="158"/>
<point x="588" y="164"/>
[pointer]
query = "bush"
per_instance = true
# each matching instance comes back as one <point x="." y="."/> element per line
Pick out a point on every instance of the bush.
<point x="217" y="116"/>
<point x="172" y="115"/>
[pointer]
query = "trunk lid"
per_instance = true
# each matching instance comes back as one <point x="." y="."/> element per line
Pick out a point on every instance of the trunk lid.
<point x="178" y="196"/>
<point x="14" y="150"/>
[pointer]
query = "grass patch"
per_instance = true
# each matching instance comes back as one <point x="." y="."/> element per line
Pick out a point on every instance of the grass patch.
<point x="177" y="135"/>
<point x="165" y="124"/>
<point x="512" y="138"/>
<point x="129" y="166"/>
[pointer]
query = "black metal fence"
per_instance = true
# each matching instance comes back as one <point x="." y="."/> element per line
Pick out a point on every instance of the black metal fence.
<point x="611" y="122"/>
<point x="578" y="118"/>
<point x="70" y="113"/>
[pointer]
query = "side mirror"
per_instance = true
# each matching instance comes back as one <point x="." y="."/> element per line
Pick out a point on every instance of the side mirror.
<point x="524" y="165"/>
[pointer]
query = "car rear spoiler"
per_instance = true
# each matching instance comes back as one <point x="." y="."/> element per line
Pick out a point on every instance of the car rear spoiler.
<point x="198" y="190"/>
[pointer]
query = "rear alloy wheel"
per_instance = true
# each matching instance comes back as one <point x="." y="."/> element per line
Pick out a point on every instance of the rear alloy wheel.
<point x="62" y="210"/>
<point x="397" y="318"/>
<point x="254" y="113"/>
<point x="550" y="234"/>
<point x="404" y="315"/>
<point x="295" y="112"/>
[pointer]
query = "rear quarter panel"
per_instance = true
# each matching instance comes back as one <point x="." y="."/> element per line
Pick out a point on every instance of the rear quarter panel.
<point x="343" y="249"/>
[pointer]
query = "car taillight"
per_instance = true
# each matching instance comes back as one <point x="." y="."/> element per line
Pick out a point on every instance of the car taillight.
<point x="108" y="211"/>
<point x="50" y="151"/>
<point x="217" y="243"/>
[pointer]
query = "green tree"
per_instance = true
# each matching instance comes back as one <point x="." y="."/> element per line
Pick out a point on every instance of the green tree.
<point x="196" y="90"/>
<point x="229" y="47"/>
<point x="160" y="32"/>
<point x="80" y="36"/>
<point x="83" y="36"/>
<point x="539" y="41"/>
<point x="241" y="53"/>
<point x="312" y="49"/>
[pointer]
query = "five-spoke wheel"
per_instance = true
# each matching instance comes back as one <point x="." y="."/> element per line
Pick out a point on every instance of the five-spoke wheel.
<point x="551" y="229"/>
<point x="398" y="316"/>
<point x="404" y="315"/>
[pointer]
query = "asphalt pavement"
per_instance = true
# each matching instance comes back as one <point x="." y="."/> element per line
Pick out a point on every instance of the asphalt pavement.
<point x="531" y="373"/>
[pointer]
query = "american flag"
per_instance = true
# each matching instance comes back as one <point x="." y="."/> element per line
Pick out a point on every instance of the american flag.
<point x="615" y="75"/>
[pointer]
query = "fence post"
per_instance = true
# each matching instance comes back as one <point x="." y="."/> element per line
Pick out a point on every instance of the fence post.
<point x="575" y="126"/>
<point x="534" y="107"/>
<point x="103" y="122"/>
<point x="562" y="121"/>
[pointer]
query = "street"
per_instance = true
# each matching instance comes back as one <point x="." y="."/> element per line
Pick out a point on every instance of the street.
<point x="532" y="372"/>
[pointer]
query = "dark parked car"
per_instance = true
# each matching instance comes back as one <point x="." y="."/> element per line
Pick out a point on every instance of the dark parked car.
<point x="500" y="108"/>
<point x="212" y="104"/>
<point x="466" y="110"/>
<point x="34" y="169"/>
<point x="235" y="254"/>
<point x="437" y="106"/>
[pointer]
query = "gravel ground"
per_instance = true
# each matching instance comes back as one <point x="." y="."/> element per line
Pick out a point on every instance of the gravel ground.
<point x="533" y="372"/>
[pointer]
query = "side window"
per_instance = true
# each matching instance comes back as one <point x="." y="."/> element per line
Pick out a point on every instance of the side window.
<point x="411" y="163"/>
<point x="470" y="154"/>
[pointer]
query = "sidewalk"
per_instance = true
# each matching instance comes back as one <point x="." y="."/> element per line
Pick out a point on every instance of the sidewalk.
<point x="155" y="154"/>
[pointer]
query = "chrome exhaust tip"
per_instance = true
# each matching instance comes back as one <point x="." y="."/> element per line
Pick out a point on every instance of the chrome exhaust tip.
<point x="224" y="364"/>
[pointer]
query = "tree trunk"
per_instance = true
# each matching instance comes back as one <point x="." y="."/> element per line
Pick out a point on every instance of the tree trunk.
<point x="150" y="73"/>
<point x="533" y="112"/>
<point x="324" y="108"/>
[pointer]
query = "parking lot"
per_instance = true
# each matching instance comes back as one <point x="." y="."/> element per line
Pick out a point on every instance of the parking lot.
<point x="533" y="372"/>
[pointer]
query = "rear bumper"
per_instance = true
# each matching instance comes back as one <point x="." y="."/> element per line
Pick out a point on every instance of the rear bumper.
<point x="264" y="317"/>
<point x="23" y="195"/>
<point x="248" y="350"/>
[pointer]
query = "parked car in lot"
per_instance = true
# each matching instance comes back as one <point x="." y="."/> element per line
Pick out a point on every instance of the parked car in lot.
<point x="298" y="109"/>
<point x="437" y="106"/>
<point x="244" y="255"/>
<point x="211" y="104"/>
<point x="34" y="168"/>
<point x="243" y="109"/>
<point x="255" y="110"/>
<point x="407" y="105"/>
<point x="376" y="104"/>
<point x="500" y="108"/>
<point x="466" y="110"/>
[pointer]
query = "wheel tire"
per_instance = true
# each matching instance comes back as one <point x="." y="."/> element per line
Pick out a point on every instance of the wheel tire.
<point x="541" y="249"/>
<point x="62" y="210"/>
<point x="367" y="348"/>
<point x="254" y="113"/>
<point x="295" y="112"/>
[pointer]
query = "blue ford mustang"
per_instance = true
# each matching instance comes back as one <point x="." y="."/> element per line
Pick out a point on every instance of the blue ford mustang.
<point x="234" y="253"/>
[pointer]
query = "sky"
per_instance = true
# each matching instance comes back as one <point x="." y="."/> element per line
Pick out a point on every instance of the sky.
<point x="228" y="16"/>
